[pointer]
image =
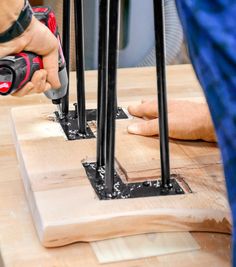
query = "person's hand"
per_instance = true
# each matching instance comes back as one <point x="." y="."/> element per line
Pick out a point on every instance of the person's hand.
<point x="37" y="38"/>
<point x="187" y="120"/>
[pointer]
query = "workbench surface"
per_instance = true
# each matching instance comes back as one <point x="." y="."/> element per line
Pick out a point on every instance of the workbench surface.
<point x="19" y="243"/>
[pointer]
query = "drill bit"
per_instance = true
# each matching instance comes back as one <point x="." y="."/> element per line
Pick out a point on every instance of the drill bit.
<point x="60" y="112"/>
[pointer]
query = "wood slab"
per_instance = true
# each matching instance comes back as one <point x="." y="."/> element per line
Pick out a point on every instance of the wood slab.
<point x="20" y="245"/>
<point x="143" y="246"/>
<point x="65" y="208"/>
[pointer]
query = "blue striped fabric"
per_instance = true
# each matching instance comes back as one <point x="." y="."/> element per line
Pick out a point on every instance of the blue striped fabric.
<point x="210" y="30"/>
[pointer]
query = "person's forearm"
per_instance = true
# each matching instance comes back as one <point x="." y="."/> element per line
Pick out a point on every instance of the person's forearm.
<point x="9" y="12"/>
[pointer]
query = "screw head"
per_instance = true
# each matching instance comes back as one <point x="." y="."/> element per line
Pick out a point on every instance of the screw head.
<point x="86" y="164"/>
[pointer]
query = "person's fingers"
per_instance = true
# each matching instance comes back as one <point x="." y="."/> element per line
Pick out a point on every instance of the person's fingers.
<point x="25" y="90"/>
<point x="50" y="63"/>
<point x="47" y="87"/>
<point x="145" y="128"/>
<point x="37" y="85"/>
<point x="46" y="45"/>
<point x="39" y="75"/>
<point x="37" y="38"/>
<point x="144" y="110"/>
<point x="40" y="86"/>
<point x="39" y="81"/>
<point x="12" y="47"/>
<point x="185" y="121"/>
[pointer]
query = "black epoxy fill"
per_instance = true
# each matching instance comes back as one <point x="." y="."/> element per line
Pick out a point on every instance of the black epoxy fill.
<point x="129" y="190"/>
<point x="70" y="127"/>
<point x="92" y="114"/>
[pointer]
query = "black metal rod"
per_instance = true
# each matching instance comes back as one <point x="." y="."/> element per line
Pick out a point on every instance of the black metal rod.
<point x="161" y="87"/>
<point x="66" y="50"/>
<point x="79" y="44"/>
<point x="111" y="95"/>
<point x="102" y="80"/>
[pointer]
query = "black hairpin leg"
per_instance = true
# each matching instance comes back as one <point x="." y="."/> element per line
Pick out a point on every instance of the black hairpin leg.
<point x="102" y="81"/>
<point x="79" y="40"/>
<point x="66" y="50"/>
<point x="111" y="96"/>
<point x="161" y="85"/>
<point x="104" y="185"/>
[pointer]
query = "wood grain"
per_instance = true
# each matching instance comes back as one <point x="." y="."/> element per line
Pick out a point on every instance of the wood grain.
<point x="19" y="242"/>
<point x="65" y="208"/>
<point x="143" y="246"/>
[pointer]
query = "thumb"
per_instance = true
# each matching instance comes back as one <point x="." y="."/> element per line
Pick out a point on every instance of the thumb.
<point x="145" y="128"/>
<point x="50" y="63"/>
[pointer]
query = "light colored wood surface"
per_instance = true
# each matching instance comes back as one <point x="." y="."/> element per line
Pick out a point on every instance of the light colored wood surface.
<point x="139" y="156"/>
<point x="65" y="207"/>
<point x="18" y="240"/>
<point x="143" y="246"/>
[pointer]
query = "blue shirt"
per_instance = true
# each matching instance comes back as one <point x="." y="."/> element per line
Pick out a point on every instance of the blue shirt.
<point x="210" y="30"/>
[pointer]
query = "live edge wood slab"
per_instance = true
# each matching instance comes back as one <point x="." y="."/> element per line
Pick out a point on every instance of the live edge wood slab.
<point x="64" y="206"/>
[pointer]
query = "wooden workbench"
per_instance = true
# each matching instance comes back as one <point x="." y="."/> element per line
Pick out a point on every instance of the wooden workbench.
<point x="18" y="241"/>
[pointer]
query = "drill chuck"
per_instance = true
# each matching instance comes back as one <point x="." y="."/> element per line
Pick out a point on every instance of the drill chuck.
<point x="56" y="94"/>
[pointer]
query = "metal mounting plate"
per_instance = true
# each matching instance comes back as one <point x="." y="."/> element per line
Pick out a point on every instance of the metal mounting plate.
<point x="92" y="114"/>
<point x="127" y="190"/>
<point x="70" y="127"/>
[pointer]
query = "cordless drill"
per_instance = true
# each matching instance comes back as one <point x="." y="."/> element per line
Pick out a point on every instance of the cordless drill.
<point x="16" y="70"/>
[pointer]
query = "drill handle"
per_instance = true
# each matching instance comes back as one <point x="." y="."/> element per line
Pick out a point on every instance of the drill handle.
<point x="33" y="63"/>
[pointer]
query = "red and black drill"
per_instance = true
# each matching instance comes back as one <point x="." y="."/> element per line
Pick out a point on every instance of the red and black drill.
<point x="16" y="70"/>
